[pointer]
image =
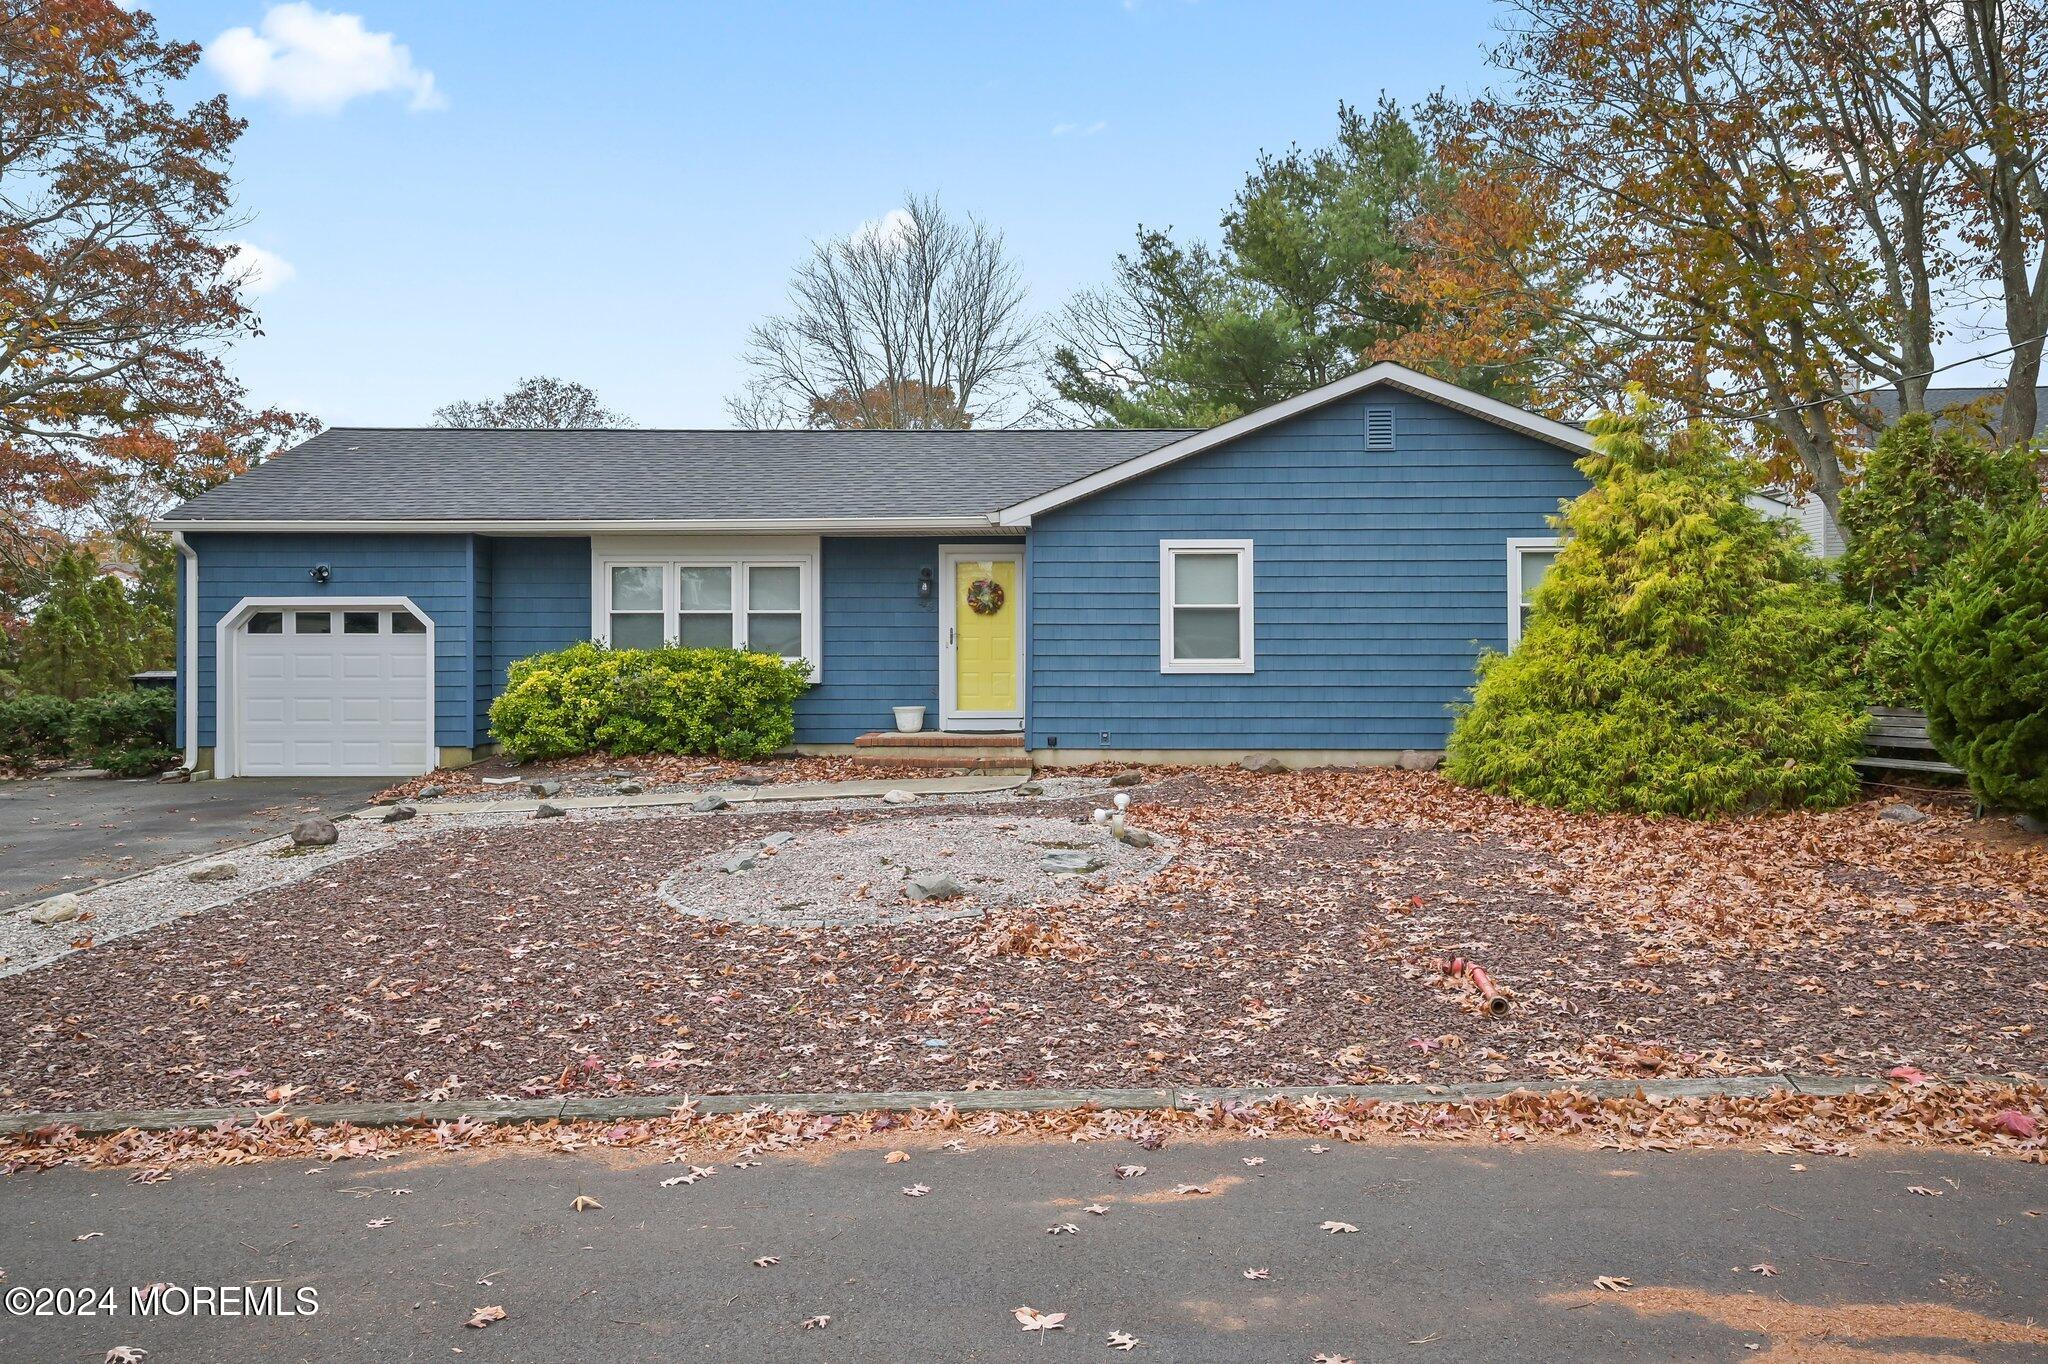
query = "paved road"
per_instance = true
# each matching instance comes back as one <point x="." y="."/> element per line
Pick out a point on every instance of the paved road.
<point x="61" y="834"/>
<point x="1463" y="1254"/>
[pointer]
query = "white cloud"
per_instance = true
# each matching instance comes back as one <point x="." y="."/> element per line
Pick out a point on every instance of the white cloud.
<point x="1078" y="129"/>
<point x="317" y="60"/>
<point x="258" y="271"/>
<point x="889" y="229"/>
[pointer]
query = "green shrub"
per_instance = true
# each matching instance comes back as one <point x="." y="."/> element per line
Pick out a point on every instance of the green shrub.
<point x="1922" y="496"/>
<point x="587" y="698"/>
<point x="33" y="727"/>
<point x="126" y="732"/>
<point x="1685" y="655"/>
<point x="1982" y="630"/>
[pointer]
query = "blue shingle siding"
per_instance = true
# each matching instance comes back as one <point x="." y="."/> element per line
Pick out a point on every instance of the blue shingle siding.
<point x="539" y="600"/>
<point x="435" y="571"/>
<point x="881" y="642"/>
<point x="1378" y="578"/>
<point x="482" y="662"/>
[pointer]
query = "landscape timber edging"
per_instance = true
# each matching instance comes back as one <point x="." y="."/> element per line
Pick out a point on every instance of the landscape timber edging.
<point x="634" y="1107"/>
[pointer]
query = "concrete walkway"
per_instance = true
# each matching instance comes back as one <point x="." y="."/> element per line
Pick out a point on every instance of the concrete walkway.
<point x="971" y="785"/>
<point x="1217" y="1252"/>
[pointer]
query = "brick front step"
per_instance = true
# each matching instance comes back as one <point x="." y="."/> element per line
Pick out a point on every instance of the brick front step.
<point x="951" y="762"/>
<point x="937" y="739"/>
<point x="939" y="752"/>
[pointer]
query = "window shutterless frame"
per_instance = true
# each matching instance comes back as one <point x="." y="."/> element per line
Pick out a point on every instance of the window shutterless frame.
<point x="1170" y="603"/>
<point x="710" y="598"/>
<point x="1518" y="550"/>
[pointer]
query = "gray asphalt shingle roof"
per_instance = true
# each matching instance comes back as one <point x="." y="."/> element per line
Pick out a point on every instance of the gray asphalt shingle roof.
<point x="450" y="474"/>
<point x="1939" y="400"/>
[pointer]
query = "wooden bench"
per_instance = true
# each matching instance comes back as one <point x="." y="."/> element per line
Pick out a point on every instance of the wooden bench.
<point x="1898" y="742"/>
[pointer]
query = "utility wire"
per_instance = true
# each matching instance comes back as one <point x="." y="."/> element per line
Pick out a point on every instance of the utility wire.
<point x="1824" y="400"/>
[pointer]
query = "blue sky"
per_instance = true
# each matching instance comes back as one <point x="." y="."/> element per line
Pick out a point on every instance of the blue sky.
<point x="615" y="192"/>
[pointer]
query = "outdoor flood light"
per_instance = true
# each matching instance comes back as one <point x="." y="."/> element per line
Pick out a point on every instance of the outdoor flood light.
<point x="321" y="573"/>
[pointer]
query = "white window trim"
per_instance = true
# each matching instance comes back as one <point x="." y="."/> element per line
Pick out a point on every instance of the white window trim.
<point x="1245" y="633"/>
<point x="712" y="552"/>
<point x="666" y="613"/>
<point x="1516" y="549"/>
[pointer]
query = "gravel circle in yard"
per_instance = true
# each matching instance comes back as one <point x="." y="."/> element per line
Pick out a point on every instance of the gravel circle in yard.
<point x="876" y="875"/>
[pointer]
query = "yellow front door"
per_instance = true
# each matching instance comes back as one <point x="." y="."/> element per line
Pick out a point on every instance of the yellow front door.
<point x="985" y="606"/>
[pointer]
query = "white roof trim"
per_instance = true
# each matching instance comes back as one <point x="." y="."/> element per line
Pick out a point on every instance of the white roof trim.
<point x="863" y="525"/>
<point x="1398" y="376"/>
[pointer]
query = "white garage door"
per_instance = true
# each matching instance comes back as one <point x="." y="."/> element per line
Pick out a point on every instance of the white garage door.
<point x="333" y="692"/>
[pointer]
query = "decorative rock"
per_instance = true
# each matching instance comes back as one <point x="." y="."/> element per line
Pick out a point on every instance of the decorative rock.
<point x="429" y="792"/>
<point x="1902" y="814"/>
<point x="1419" y="760"/>
<point x="936" y="885"/>
<point x="214" y="871"/>
<point x="709" y="803"/>
<point x="1262" y="763"/>
<point x="750" y="779"/>
<point x="629" y="788"/>
<point x="547" y="811"/>
<point x="744" y="859"/>
<point x="58" y="909"/>
<point x="314" y="833"/>
<point x="398" y="814"/>
<point x="777" y="839"/>
<point x="2031" y="825"/>
<point x="544" y="789"/>
<point x="1137" y="838"/>
<point x="898" y="796"/>
<point x="1072" y="861"/>
<point x="1031" y="788"/>
<point x="1131" y="778"/>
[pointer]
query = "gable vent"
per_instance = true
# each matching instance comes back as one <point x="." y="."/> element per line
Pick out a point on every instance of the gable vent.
<point x="1379" y="428"/>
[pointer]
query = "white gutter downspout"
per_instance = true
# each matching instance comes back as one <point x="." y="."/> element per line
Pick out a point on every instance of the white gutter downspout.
<point x="189" y="665"/>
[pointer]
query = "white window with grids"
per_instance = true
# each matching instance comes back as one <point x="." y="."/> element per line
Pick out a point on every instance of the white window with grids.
<point x="710" y="597"/>
<point x="1205" y="606"/>
<point x="1529" y="562"/>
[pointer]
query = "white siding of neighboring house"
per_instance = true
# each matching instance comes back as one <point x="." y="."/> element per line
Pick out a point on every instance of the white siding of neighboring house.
<point x="1809" y="514"/>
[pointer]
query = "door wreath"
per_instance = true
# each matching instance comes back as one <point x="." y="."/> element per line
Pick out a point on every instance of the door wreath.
<point x="984" y="596"/>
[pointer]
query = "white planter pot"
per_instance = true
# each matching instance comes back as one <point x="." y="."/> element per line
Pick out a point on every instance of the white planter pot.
<point x="909" y="719"/>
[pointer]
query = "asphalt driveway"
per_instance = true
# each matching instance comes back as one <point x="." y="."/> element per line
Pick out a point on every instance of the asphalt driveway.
<point x="1221" y="1250"/>
<point x="60" y="834"/>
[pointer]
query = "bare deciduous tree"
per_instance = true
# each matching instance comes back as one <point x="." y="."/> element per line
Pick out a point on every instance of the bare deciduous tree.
<point x="916" y="322"/>
<point x="541" y="403"/>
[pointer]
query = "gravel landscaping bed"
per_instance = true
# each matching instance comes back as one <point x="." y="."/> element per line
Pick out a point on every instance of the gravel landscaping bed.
<point x="904" y="871"/>
<point x="188" y="888"/>
<point x="1294" y="937"/>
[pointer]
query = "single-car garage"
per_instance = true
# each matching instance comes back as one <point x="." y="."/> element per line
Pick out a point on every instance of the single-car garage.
<point x="333" y="689"/>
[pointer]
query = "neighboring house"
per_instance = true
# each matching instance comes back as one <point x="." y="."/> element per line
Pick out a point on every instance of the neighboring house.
<point x="1315" y="579"/>
<point x="1977" y="406"/>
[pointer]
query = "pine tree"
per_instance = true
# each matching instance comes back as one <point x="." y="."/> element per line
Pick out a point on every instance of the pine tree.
<point x="1982" y="634"/>
<point x="1685" y="655"/>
